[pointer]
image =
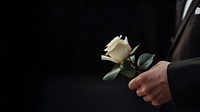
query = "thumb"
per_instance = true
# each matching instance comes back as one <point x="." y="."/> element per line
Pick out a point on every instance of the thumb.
<point x="135" y="83"/>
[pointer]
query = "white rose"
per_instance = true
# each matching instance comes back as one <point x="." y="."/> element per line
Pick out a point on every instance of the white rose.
<point x="117" y="50"/>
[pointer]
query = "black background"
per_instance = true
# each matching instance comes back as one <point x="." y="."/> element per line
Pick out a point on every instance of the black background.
<point x="51" y="52"/>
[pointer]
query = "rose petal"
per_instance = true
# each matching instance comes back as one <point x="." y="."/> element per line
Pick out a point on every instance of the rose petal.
<point x="127" y="43"/>
<point x="112" y="47"/>
<point x="113" y="40"/>
<point x="113" y="43"/>
<point x="126" y="40"/>
<point x="103" y="57"/>
<point x="120" y="52"/>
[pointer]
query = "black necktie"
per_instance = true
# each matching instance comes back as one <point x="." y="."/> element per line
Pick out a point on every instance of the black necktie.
<point x="179" y="11"/>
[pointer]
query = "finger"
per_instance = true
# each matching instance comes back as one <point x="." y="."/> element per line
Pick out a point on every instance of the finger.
<point x="154" y="103"/>
<point x="161" y="99"/>
<point x="134" y="83"/>
<point x="146" y="99"/>
<point x="153" y="96"/>
<point x="140" y="92"/>
<point x="156" y="99"/>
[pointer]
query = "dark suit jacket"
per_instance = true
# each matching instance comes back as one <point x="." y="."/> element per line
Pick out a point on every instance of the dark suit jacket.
<point x="184" y="71"/>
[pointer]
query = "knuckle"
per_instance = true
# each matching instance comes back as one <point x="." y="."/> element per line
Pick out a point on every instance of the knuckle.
<point x="152" y="98"/>
<point x="139" y="93"/>
<point x="144" y="90"/>
<point x="142" y="79"/>
<point x="147" y="90"/>
<point x="148" y="98"/>
<point x="139" y="79"/>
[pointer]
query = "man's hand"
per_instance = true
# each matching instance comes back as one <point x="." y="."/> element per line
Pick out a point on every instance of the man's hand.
<point x="153" y="84"/>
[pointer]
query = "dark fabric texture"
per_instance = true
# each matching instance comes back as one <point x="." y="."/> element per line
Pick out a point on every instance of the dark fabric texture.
<point x="184" y="80"/>
<point x="183" y="74"/>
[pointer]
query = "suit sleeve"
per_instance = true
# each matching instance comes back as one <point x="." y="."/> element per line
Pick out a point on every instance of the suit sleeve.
<point x="184" y="83"/>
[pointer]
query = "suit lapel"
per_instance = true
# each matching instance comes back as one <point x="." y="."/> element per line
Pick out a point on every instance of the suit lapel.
<point x="181" y="28"/>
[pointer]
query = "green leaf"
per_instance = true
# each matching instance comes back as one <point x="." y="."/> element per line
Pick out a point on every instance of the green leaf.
<point x="132" y="59"/>
<point x="134" y="49"/>
<point x="116" y="66"/>
<point x="112" y="74"/>
<point x="127" y="70"/>
<point x="145" y="60"/>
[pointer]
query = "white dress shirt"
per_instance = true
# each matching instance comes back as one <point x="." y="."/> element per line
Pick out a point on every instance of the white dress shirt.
<point x="187" y="5"/>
